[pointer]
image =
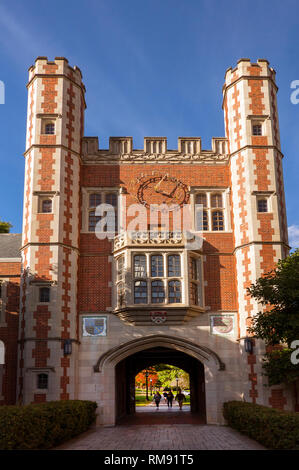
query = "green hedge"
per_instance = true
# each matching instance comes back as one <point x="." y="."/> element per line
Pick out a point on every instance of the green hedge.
<point x="272" y="428"/>
<point x="44" y="425"/>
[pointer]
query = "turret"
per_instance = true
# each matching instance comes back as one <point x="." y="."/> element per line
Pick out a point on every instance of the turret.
<point x="257" y="195"/>
<point x="55" y="123"/>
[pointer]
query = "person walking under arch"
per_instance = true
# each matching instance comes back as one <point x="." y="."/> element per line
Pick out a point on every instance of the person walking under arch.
<point x="170" y="397"/>
<point x="157" y="398"/>
<point x="180" y="398"/>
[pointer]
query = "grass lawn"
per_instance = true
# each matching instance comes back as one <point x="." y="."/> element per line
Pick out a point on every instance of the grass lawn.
<point x="140" y="398"/>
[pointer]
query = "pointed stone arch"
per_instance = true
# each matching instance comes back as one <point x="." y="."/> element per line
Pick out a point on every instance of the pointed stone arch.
<point x="106" y="369"/>
<point x="116" y="354"/>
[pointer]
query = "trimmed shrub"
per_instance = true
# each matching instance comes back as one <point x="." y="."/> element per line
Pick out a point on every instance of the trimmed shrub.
<point x="44" y="425"/>
<point x="272" y="428"/>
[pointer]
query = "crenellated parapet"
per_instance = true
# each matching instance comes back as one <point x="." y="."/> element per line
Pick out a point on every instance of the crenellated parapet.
<point x="155" y="149"/>
<point x="59" y="66"/>
<point x="246" y="68"/>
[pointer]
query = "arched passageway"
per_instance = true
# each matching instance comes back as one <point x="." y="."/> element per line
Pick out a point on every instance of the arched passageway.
<point x="119" y="365"/>
<point x="127" y="369"/>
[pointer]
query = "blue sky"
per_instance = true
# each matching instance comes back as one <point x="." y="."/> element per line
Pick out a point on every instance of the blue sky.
<point x="150" y="68"/>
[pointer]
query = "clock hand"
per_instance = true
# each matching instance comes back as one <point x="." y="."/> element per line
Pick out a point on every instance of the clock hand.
<point x="173" y="191"/>
<point x="157" y="185"/>
<point x="161" y="192"/>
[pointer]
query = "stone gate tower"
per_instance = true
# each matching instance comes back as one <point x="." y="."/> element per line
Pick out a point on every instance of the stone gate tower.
<point x="95" y="311"/>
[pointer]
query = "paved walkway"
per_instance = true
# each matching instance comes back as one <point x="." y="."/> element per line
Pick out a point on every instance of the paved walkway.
<point x="149" y="415"/>
<point x="162" y="437"/>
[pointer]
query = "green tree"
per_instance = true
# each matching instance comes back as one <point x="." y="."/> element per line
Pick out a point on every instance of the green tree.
<point x="167" y="375"/>
<point x="5" y="227"/>
<point x="278" y="323"/>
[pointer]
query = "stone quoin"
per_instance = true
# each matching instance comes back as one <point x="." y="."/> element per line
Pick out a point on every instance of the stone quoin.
<point x="81" y="315"/>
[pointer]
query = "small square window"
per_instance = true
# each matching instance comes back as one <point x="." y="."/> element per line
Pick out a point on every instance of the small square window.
<point x="50" y="128"/>
<point x="46" y="206"/>
<point x="256" y="129"/>
<point x="262" y="205"/>
<point x="44" y="294"/>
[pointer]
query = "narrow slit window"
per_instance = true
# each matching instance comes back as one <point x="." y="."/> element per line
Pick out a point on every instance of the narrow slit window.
<point x="120" y="268"/>
<point x="121" y="294"/>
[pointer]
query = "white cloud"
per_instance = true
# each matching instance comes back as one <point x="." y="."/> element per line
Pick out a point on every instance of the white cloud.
<point x="294" y="236"/>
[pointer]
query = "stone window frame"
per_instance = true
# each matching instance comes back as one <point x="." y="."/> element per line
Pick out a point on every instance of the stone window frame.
<point x="269" y="196"/>
<point x="262" y="120"/>
<point x="197" y="281"/>
<point x="86" y="209"/>
<point x="34" y="372"/>
<point x="39" y="380"/>
<point x="120" y="279"/>
<point x="41" y="293"/>
<point x="259" y="205"/>
<point x="39" y="197"/>
<point x="37" y="285"/>
<point x="45" y="122"/>
<point x="257" y="128"/>
<point x="165" y="278"/>
<point x="208" y="209"/>
<point x="129" y="254"/>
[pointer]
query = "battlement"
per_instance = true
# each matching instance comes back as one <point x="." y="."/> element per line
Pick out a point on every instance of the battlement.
<point x="60" y="66"/>
<point x="246" y="68"/>
<point x="190" y="147"/>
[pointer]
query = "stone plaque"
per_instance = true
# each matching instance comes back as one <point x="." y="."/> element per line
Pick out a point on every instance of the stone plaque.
<point x="222" y="324"/>
<point x="158" y="316"/>
<point x="94" y="326"/>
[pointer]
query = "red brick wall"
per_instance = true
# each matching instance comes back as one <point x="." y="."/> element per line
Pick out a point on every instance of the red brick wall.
<point x="95" y="270"/>
<point x="9" y="333"/>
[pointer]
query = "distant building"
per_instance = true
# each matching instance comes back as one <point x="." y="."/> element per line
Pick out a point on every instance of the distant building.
<point x="97" y="309"/>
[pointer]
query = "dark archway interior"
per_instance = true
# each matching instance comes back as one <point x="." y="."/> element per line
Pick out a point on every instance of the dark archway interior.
<point x="127" y="369"/>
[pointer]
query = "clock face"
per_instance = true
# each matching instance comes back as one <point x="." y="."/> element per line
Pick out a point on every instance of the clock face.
<point x="162" y="189"/>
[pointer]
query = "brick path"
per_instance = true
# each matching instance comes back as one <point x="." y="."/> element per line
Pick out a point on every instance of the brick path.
<point x="162" y="437"/>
